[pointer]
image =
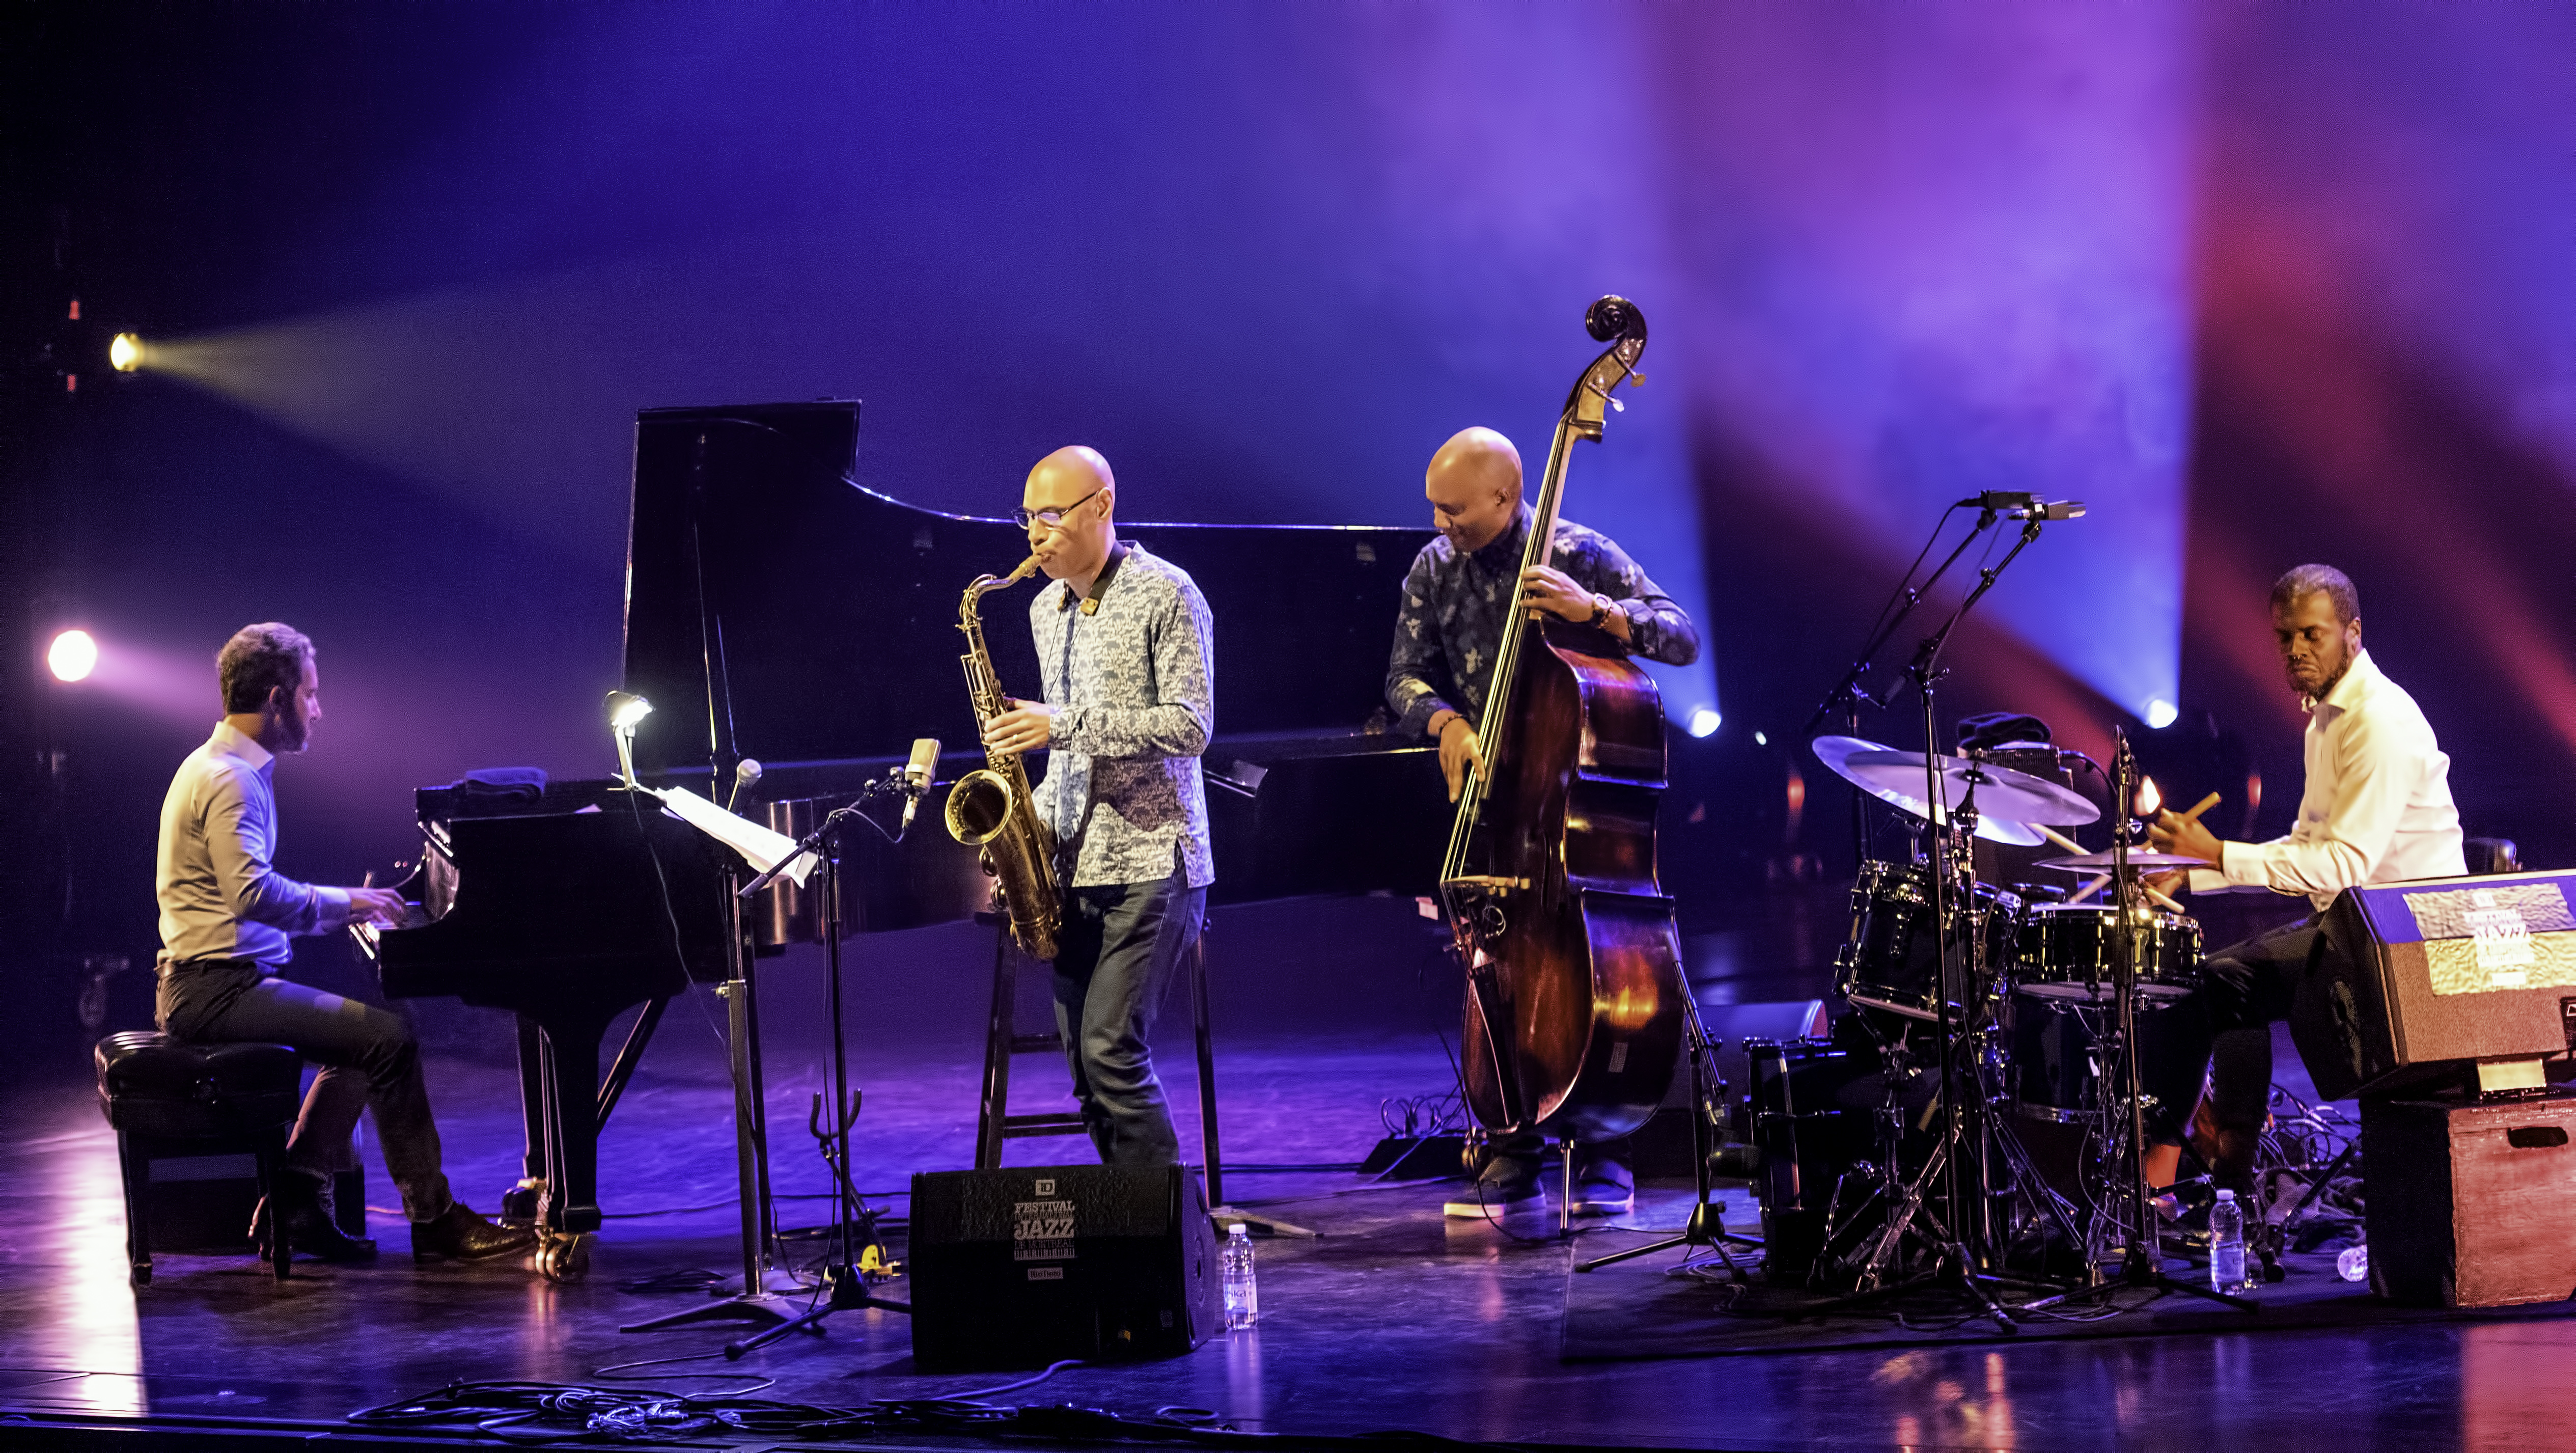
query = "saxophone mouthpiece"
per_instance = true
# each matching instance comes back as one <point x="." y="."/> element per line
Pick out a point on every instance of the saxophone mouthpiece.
<point x="1027" y="568"/>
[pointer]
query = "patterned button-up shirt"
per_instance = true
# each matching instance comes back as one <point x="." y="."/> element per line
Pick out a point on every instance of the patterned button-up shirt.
<point x="1135" y="696"/>
<point x="1451" y="622"/>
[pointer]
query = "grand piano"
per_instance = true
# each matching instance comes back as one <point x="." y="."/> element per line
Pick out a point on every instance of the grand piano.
<point x="776" y="610"/>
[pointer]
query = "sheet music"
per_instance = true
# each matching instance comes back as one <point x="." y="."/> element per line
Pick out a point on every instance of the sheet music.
<point x="759" y="846"/>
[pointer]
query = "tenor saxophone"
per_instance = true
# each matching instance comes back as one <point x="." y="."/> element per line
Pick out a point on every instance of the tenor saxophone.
<point x="992" y="808"/>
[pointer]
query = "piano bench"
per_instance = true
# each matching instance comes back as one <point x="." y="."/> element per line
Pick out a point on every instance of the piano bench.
<point x="168" y="1099"/>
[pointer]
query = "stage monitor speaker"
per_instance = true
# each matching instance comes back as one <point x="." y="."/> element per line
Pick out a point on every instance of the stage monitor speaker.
<point x="1028" y="1265"/>
<point x="2415" y="981"/>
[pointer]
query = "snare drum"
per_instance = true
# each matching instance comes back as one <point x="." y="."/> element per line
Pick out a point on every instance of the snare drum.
<point x="2067" y="952"/>
<point x="1893" y="960"/>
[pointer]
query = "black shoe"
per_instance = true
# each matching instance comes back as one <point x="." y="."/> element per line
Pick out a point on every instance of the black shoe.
<point x="304" y="1211"/>
<point x="1508" y="1184"/>
<point x="1606" y="1189"/>
<point x="461" y="1235"/>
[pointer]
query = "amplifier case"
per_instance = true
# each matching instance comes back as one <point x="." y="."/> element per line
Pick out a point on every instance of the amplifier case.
<point x="2398" y="984"/>
<point x="2468" y="1202"/>
<point x="1020" y="1267"/>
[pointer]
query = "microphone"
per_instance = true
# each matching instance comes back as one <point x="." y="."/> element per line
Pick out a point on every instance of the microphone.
<point x="916" y="778"/>
<point x="2009" y="502"/>
<point x="746" y="775"/>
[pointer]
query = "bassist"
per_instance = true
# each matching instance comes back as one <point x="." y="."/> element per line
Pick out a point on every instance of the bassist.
<point x="1457" y="598"/>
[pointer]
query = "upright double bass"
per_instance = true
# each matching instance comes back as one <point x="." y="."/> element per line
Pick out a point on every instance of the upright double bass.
<point x="1575" y="990"/>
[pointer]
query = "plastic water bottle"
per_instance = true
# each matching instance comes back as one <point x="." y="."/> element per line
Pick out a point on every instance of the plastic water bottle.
<point x="2353" y="1263"/>
<point x="2227" y="1244"/>
<point x="1242" y="1291"/>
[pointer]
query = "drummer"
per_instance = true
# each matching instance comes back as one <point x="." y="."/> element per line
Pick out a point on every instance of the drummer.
<point x="2377" y="808"/>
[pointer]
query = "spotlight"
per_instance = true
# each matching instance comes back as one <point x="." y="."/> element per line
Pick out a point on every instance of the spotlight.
<point x="625" y="709"/>
<point x="125" y="352"/>
<point x="1760" y="740"/>
<point x="1704" y="721"/>
<point x="2161" y="713"/>
<point x="73" y="655"/>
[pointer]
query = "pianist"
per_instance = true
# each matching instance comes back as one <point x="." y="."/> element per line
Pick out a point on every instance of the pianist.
<point x="1124" y="641"/>
<point x="226" y="916"/>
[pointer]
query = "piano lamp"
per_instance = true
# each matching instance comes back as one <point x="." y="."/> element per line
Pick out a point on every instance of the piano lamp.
<point x="625" y="710"/>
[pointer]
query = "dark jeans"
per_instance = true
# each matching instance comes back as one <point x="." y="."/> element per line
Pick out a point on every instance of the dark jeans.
<point x="2226" y="1026"/>
<point x="1116" y="956"/>
<point x="367" y="1058"/>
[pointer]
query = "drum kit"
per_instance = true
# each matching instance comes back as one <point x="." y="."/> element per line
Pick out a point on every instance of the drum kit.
<point x="2017" y="1007"/>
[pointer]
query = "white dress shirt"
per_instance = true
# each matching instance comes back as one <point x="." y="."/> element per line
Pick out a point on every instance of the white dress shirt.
<point x="2377" y="808"/>
<point x="220" y="899"/>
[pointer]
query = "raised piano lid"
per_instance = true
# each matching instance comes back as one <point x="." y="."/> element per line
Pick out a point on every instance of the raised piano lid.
<point x="831" y="610"/>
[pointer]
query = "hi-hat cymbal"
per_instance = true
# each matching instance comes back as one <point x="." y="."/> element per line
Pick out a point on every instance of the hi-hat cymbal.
<point x="2003" y="795"/>
<point x="2140" y="860"/>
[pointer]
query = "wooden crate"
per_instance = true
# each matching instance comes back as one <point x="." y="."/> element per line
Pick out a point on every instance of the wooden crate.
<point x="2471" y="1204"/>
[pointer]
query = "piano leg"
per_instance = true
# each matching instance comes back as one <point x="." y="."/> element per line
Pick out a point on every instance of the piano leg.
<point x="570" y="1059"/>
<point x="519" y="1203"/>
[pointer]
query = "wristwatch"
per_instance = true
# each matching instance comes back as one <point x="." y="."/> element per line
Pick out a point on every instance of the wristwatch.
<point x="1601" y="608"/>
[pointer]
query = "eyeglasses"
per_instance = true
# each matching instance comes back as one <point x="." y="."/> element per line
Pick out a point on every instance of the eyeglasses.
<point x="1053" y="517"/>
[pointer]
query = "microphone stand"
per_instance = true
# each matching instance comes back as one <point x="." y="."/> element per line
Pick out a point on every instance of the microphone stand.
<point x="1955" y="1264"/>
<point x="849" y="1287"/>
<point x="1848" y="694"/>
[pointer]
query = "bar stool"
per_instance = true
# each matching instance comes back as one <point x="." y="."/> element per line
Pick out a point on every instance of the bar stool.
<point x="995" y="1123"/>
<point x="171" y="1099"/>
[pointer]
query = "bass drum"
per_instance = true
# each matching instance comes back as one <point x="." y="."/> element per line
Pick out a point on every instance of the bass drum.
<point x="2068" y="952"/>
<point x="1893" y="959"/>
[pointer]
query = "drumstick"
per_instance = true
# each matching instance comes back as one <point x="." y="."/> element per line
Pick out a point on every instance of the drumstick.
<point x="2061" y="839"/>
<point x="2206" y="804"/>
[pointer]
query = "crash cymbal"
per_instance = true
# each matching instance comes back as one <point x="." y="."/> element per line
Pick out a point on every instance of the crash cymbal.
<point x="2003" y="795"/>
<point x="2140" y="860"/>
<point x="1834" y="751"/>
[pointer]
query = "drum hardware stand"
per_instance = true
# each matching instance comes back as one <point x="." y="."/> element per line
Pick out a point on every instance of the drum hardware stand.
<point x="1707" y="1224"/>
<point x="2140" y="1264"/>
<point x="1955" y="1266"/>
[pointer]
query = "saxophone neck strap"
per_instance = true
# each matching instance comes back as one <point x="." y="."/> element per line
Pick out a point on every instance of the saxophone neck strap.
<point x="1100" y="584"/>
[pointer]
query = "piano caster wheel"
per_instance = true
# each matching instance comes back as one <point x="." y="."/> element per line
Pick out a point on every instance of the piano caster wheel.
<point x="562" y="1258"/>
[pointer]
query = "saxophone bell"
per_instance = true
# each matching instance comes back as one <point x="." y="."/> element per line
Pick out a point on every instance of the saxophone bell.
<point x="979" y="807"/>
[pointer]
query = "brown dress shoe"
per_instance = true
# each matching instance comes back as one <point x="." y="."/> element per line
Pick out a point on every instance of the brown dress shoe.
<point x="461" y="1235"/>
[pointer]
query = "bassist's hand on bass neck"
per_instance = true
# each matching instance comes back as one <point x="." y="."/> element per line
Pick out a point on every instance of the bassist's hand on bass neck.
<point x="1459" y="749"/>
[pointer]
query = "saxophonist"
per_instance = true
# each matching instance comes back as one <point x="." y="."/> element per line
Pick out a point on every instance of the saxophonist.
<point x="1123" y="642"/>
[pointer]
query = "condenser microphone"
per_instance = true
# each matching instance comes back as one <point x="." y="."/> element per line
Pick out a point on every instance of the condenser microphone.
<point x="916" y="778"/>
<point x="2008" y="502"/>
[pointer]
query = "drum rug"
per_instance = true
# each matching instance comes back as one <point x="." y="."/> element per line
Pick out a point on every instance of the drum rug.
<point x="1656" y="1307"/>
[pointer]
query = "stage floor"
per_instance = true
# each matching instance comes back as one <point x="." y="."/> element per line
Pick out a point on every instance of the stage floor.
<point x="1396" y="1319"/>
